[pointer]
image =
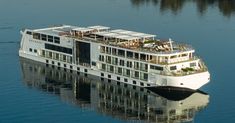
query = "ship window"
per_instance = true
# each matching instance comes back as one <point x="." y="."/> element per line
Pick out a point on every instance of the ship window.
<point x="173" y="68"/>
<point x="128" y="72"/>
<point x="101" y="58"/>
<point x="193" y="64"/>
<point x="121" y="52"/>
<point x="50" y="38"/>
<point x="121" y="62"/>
<point x="57" y="56"/>
<point x="30" y="49"/>
<point x="142" y="57"/>
<point x="129" y="54"/>
<point x="58" y="48"/>
<point x="136" y="65"/>
<point x="129" y="64"/>
<point x="93" y="63"/>
<point x="29" y="33"/>
<point x="102" y="49"/>
<point x="43" y="53"/>
<point x="156" y="67"/>
<point x="108" y="50"/>
<point x="114" y="51"/>
<point x="142" y="84"/>
<point x="136" y="55"/>
<point x="103" y="67"/>
<point x="134" y="82"/>
<point x="108" y="59"/>
<point x="137" y="74"/>
<point x="57" y="40"/>
<point x="183" y="55"/>
<point x="44" y="37"/>
<point x="36" y="36"/>
<point x="119" y="70"/>
<point x="145" y="76"/>
<point x="35" y="51"/>
<point x="173" y="56"/>
<point x="111" y="68"/>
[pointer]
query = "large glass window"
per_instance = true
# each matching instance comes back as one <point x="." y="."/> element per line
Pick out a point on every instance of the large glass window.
<point x="129" y="54"/>
<point x="57" y="40"/>
<point x="121" y="52"/>
<point x="44" y="37"/>
<point x="36" y="36"/>
<point x="121" y="62"/>
<point x="50" y="38"/>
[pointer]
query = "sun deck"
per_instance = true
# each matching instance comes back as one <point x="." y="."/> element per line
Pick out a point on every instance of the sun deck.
<point x="120" y="38"/>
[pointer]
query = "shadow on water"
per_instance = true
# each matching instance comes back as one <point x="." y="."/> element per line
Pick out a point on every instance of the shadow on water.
<point x="226" y="7"/>
<point x="112" y="98"/>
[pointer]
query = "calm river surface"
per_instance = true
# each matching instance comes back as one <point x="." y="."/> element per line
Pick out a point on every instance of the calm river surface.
<point x="29" y="92"/>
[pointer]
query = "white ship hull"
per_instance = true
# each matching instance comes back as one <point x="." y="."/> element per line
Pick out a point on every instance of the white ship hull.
<point x="192" y="82"/>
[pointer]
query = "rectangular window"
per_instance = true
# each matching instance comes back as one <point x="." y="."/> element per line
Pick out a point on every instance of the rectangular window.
<point x="57" y="40"/>
<point x="128" y="72"/>
<point x="43" y="37"/>
<point x="108" y="59"/>
<point x="102" y="49"/>
<point x="136" y="55"/>
<point x="129" y="64"/>
<point x="115" y="61"/>
<point x="137" y="74"/>
<point x="29" y="33"/>
<point x="193" y="64"/>
<point x="173" y="68"/>
<point x="57" y="56"/>
<point x="114" y="51"/>
<point x="134" y="82"/>
<point x="58" y="48"/>
<point x="36" y="36"/>
<point x="50" y="38"/>
<point x="129" y="54"/>
<point x="93" y="63"/>
<point x="121" y="62"/>
<point x="111" y="69"/>
<point x="119" y="70"/>
<point x="108" y="50"/>
<point x="156" y="67"/>
<point x="30" y="49"/>
<point x="136" y="65"/>
<point x="142" y="57"/>
<point x="35" y="51"/>
<point x="43" y="53"/>
<point x="101" y="58"/>
<point x="121" y="53"/>
<point x="103" y="67"/>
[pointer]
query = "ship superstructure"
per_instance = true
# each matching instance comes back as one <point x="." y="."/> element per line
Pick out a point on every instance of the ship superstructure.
<point x="127" y="56"/>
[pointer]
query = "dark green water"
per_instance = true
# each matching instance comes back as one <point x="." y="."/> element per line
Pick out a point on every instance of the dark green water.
<point x="208" y="25"/>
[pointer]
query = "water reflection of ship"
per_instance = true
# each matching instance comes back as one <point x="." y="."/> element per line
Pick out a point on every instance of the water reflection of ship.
<point x="226" y="7"/>
<point x="119" y="100"/>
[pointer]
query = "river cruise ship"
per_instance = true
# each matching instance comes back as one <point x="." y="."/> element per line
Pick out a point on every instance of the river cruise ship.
<point x="130" y="57"/>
